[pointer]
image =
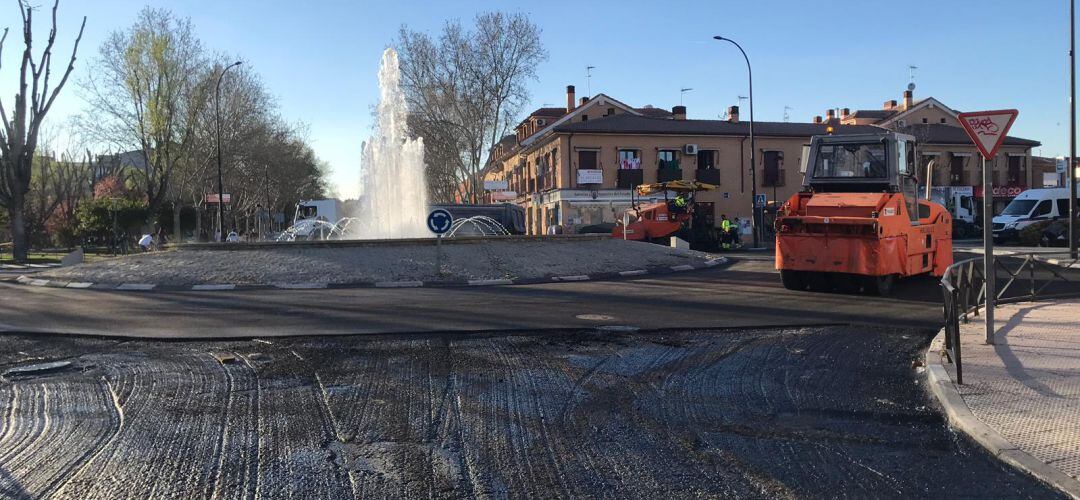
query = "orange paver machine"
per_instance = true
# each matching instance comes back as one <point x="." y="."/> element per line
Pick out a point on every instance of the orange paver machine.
<point x="858" y="223"/>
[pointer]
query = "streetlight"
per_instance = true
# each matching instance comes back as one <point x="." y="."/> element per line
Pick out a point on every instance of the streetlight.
<point x="220" y="181"/>
<point x="753" y="158"/>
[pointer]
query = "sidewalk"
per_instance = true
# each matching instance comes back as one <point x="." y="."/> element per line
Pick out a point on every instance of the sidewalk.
<point x="1021" y="397"/>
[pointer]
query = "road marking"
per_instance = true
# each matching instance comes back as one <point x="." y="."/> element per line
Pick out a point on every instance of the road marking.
<point x="715" y="262"/>
<point x="490" y="282"/>
<point x="576" y="277"/>
<point x="136" y="286"/>
<point x="214" y="287"/>
<point x="300" y="286"/>
<point x="34" y="282"/>
<point x="635" y="272"/>
<point x="684" y="267"/>
<point x="399" y="284"/>
<point x="79" y="285"/>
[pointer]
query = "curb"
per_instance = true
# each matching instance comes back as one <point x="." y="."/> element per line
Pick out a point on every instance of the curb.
<point x="213" y="287"/>
<point x="961" y="418"/>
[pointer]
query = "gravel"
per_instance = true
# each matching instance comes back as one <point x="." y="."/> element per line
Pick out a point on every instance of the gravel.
<point x="345" y="264"/>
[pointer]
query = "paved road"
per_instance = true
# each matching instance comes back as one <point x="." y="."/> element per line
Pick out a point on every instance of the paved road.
<point x="748" y="293"/>
<point x="777" y="413"/>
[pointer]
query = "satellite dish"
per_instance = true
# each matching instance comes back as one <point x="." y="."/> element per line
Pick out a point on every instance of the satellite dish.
<point x="911" y="86"/>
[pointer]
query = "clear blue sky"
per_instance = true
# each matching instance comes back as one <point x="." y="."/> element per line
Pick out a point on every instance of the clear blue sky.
<point x="320" y="58"/>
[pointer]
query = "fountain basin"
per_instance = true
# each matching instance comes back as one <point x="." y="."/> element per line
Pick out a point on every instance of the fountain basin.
<point x="359" y="262"/>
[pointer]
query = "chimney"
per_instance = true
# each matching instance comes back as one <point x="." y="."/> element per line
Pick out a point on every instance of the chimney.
<point x="733" y="114"/>
<point x="845" y="112"/>
<point x="817" y="119"/>
<point x="908" y="98"/>
<point x="830" y="114"/>
<point x="679" y="112"/>
<point x="890" y="104"/>
<point x="569" y="98"/>
<point x="583" y="101"/>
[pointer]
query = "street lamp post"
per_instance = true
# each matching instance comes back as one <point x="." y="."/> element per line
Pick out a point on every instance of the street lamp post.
<point x="753" y="150"/>
<point x="220" y="180"/>
<point x="1071" y="174"/>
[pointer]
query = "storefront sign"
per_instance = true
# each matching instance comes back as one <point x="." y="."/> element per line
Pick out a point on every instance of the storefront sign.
<point x="496" y="185"/>
<point x="1001" y="191"/>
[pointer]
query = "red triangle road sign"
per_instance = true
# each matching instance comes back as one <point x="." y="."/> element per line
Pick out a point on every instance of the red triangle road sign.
<point x="987" y="129"/>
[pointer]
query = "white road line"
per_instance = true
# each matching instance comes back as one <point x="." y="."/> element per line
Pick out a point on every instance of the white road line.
<point x="635" y="272"/>
<point x="490" y="282"/>
<point x="214" y="287"/>
<point x="136" y="286"/>
<point x="398" y="284"/>
<point x="79" y="285"/>
<point x="300" y="286"/>
<point x="576" y="277"/>
<point x="38" y="282"/>
<point x="684" y="267"/>
<point x="715" y="262"/>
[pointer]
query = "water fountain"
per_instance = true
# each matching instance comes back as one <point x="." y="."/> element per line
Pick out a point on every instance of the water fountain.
<point x="393" y="193"/>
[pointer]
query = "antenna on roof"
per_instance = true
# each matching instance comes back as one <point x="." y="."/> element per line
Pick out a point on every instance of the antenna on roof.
<point x="911" y="76"/>
<point x="588" y="80"/>
<point x="787" y="115"/>
<point x="683" y="92"/>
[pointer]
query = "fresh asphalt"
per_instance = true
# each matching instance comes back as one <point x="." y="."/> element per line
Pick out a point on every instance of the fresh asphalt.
<point x="746" y="293"/>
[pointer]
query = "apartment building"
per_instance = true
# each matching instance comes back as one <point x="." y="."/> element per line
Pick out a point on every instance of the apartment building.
<point x="576" y="166"/>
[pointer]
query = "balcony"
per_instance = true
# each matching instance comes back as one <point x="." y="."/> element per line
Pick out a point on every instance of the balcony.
<point x="668" y="174"/>
<point x="708" y="175"/>
<point x="631" y="178"/>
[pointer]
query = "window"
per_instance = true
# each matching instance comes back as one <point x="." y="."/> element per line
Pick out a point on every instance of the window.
<point x="586" y="160"/>
<point x="666" y="159"/>
<point x="629" y="159"/>
<point x="926" y="120"/>
<point x="774" y="161"/>
<point x="942" y="120"/>
<point x="851" y="161"/>
<point x="1043" y="209"/>
<point x="1019" y="207"/>
<point x="610" y="111"/>
<point x="584" y="118"/>
<point x="956" y="171"/>
<point x="1016" y="175"/>
<point x="706" y="160"/>
<point x="1063" y="207"/>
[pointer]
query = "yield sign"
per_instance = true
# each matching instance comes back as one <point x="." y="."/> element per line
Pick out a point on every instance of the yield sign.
<point x="987" y="129"/>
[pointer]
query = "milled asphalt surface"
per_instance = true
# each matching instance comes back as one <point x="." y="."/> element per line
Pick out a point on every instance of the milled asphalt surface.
<point x="789" y="412"/>
<point x="724" y="402"/>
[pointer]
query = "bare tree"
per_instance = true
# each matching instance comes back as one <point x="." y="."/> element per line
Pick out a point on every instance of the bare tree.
<point x="147" y="92"/>
<point x="19" y="134"/>
<point x="464" y="91"/>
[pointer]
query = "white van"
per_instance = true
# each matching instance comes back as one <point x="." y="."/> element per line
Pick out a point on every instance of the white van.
<point x="1029" y="207"/>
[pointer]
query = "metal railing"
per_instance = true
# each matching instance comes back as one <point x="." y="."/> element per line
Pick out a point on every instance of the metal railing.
<point x="1026" y="277"/>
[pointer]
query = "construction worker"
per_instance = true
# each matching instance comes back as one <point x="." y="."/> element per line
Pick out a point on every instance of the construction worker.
<point x="725" y="232"/>
<point x="736" y="241"/>
<point x="680" y="203"/>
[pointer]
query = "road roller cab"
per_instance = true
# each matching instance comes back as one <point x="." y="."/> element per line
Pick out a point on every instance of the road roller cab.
<point x="857" y="223"/>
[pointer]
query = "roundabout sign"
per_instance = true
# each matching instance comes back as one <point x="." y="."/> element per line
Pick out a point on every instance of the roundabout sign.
<point x="439" y="221"/>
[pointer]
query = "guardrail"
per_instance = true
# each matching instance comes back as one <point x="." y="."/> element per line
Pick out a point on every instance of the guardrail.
<point x="964" y="287"/>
